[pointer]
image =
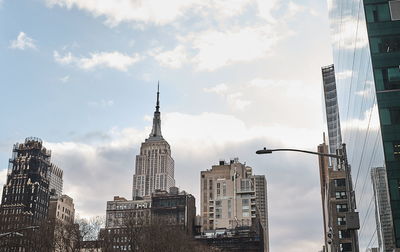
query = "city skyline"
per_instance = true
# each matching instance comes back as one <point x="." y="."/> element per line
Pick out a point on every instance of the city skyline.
<point x="94" y="114"/>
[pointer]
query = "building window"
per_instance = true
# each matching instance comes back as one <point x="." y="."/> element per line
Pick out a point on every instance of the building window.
<point x="340" y="182"/>
<point x="345" y="247"/>
<point x="341" y="221"/>
<point x="396" y="150"/>
<point x="395" y="115"/>
<point x="340" y="195"/>
<point x="390" y="77"/>
<point x="341" y="208"/>
<point x="385" y="44"/>
<point x="344" y="234"/>
<point x="377" y="13"/>
<point x="229" y="209"/>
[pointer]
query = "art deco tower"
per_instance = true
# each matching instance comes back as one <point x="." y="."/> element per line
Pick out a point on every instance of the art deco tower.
<point x="154" y="165"/>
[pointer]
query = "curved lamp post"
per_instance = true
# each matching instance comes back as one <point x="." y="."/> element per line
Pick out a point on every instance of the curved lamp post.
<point x="269" y="151"/>
<point x="343" y="163"/>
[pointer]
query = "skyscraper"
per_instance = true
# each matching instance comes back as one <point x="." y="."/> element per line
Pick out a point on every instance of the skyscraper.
<point x="25" y="199"/>
<point x="56" y="181"/>
<point x="331" y="108"/>
<point x="366" y="57"/>
<point x="154" y="165"/>
<point x="383" y="213"/>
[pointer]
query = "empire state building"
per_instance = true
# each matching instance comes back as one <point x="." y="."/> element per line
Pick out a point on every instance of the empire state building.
<point x="154" y="165"/>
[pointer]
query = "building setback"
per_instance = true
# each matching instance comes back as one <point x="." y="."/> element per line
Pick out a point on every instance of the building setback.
<point x="154" y="165"/>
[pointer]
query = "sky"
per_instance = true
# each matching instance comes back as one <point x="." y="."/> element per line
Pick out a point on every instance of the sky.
<point x="235" y="76"/>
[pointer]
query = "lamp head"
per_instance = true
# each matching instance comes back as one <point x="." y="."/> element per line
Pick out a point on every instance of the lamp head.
<point x="264" y="151"/>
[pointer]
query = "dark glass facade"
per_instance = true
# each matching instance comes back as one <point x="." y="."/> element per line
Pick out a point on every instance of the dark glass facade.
<point x="366" y="49"/>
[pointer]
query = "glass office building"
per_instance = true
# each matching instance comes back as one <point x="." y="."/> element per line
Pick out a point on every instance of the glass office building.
<point x="366" y="50"/>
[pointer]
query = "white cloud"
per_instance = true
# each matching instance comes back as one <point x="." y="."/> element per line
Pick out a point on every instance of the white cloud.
<point x="175" y="58"/>
<point x="234" y="99"/>
<point x="216" y="49"/>
<point x="293" y="9"/>
<point x="344" y="75"/>
<point x="369" y="121"/>
<point x="23" y="42"/>
<point x="220" y="89"/>
<point x="201" y="140"/>
<point x="102" y="103"/>
<point x="114" y="60"/>
<point x="349" y="34"/>
<point x="152" y="11"/>
<point x="211" y="49"/>
<point x="64" y="79"/>
<point x="265" y="9"/>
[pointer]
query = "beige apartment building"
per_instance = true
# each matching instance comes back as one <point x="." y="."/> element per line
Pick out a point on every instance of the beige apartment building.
<point x="232" y="197"/>
<point x="62" y="209"/>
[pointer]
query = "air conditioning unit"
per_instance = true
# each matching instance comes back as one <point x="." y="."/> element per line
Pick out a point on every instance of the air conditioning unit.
<point x="352" y="220"/>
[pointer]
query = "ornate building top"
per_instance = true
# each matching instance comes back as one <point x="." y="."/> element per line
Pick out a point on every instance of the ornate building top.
<point x="155" y="134"/>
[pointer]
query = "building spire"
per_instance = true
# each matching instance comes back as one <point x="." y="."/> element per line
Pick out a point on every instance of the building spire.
<point x="158" y="97"/>
<point x="156" y="130"/>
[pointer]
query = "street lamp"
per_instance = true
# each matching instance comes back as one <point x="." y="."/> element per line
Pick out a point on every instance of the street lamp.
<point x="15" y="232"/>
<point x="269" y="151"/>
<point x="11" y="233"/>
<point x="342" y="164"/>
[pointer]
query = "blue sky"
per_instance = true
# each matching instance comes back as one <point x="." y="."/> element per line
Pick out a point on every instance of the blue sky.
<point x="234" y="76"/>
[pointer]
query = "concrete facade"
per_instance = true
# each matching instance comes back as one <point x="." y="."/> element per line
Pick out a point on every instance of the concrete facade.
<point x="62" y="209"/>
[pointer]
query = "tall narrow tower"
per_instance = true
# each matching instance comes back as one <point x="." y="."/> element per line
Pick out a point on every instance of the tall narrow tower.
<point x="154" y="165"/>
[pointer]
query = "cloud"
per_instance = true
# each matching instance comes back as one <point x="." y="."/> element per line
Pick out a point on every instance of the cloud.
<point x="212" y="49"/>
<point x="259" y="101"/>
<point x="233" y="98"/>
<point x="349" y="34"/>
<point x="201" y="140"/>
<point x="64" y="79"/>
<point x="152" y="11"/>
<point x="175" y="58"/>
<point x="101" y="104"/>
<point x="344" y="74"/>
<point x="114" y="60"/>
<point x="218" y="89"/>
<point x="23" y="42"/>
<point x="369" y="121"/>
